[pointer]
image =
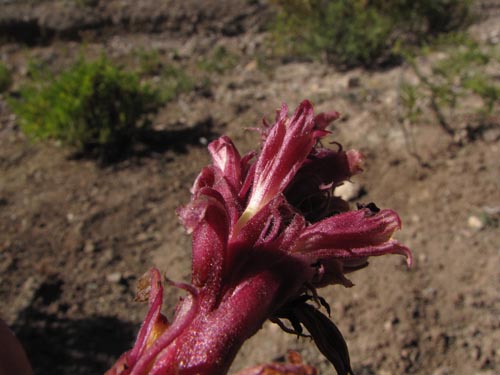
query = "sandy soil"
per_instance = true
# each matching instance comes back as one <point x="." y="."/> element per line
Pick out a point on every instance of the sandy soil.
<point x="76" y="236"/>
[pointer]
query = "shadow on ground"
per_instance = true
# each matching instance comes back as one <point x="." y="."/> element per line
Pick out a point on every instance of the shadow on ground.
<point x="73" y="346"/>
<point x="148" y="142"/>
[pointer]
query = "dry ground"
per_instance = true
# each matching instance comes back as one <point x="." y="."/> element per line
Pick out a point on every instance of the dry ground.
<point x="75" y="236"/>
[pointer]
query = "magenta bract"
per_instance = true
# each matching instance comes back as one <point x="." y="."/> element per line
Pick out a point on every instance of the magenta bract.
<point x="267" y="231"/>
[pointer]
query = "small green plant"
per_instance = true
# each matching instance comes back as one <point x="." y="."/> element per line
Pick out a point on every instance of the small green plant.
<point x="354" y="32"/>
<point x="409" y="97"/>
<point x="460" y="74"/>
<point x="93" y="106"/>
<point x="489" y="92"/>
<point x="173" y="82"/>
<point x="219" y="61"/>
<point x="170" y="79"/>
<point x="5" y="78"/>
<point x="490" y="217"/>
<point x="149" y="62"/>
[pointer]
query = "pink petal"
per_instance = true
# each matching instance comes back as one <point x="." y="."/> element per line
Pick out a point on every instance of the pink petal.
<point x="285" y="149"/>
<point x="207" y="218"/>
<point x="227" y="158"/>
<point x="348" y="230"/>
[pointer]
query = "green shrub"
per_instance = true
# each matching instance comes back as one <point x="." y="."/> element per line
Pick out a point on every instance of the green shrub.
<point x="357" y="33"/>
<point x="353" y="32"/>
<point x="92" y="106"/>
<point x="427" y="18"/>
<point x="489" y="92"/>
<point x="5" y="78"/>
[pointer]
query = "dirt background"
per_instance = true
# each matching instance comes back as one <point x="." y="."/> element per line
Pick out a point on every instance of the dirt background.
<point x="76" y="236"/>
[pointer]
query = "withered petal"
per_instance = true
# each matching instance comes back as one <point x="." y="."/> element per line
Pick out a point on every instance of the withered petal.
<point x="326" y="336"/>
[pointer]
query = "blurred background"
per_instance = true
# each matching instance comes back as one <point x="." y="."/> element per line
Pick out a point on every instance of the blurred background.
<point x="106" y="108"/>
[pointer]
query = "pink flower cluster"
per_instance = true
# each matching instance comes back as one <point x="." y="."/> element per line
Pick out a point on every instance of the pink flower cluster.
<point x="267" y="232"/>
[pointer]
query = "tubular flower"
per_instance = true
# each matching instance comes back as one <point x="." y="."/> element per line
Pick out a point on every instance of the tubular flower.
<point x="267" y="231"/>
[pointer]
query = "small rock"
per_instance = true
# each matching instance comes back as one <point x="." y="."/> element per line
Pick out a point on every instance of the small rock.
<point x="349" y="191"/>
<point x="429" y="293"/>
<point x="114" y="277"/>
<point x="388" y="325"/>
<point x="108" y="255"/>
<point x="391" y="323"/>
<point x="260" y="96"/>
<point x="476" y="353"/>
<point x="491" y="135"/>
<point x="143" y="236"/>
<point x="423" y="258"/>
<point x="252" y="66"/>
<point x="475" y="222"/>
<point x="89" y="247"/>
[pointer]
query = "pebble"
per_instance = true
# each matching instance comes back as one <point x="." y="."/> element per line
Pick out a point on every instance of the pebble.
<point x="348" y="191"/>
<point x="475" y="222"/>
<point x="89" y="247"/>
<point x="108" y="255"/>
<point x="415" y="218"/>
<point x="390" y="323"/>
<point x="423" y="258"/>
<point x="143" y="236"/>
<point x="491" y="135"/>
<point x="429" y="293"/>
<point x="114" y="277"/>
